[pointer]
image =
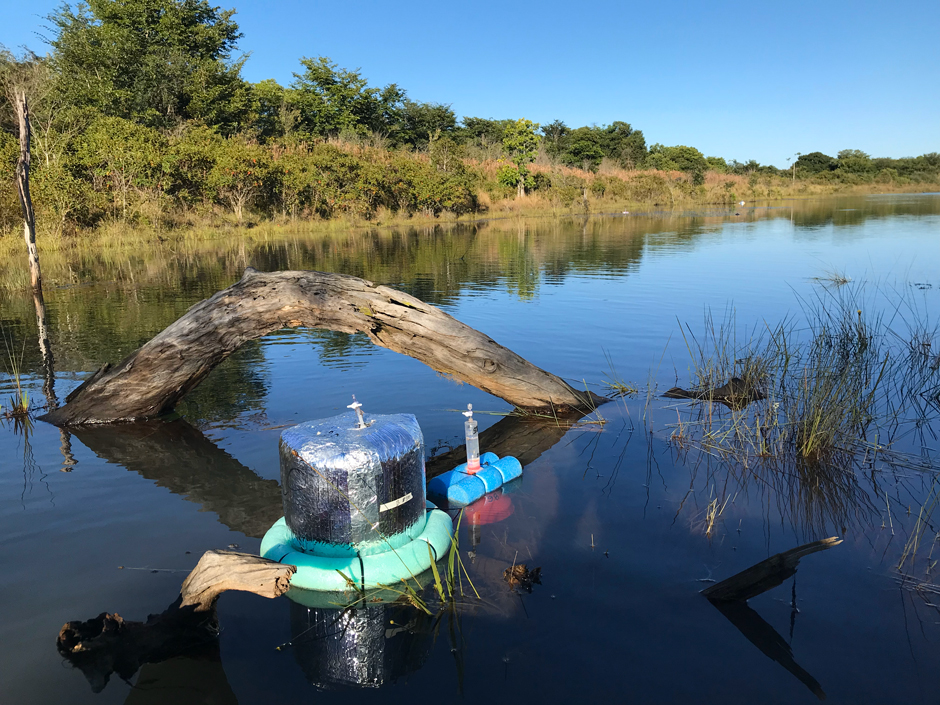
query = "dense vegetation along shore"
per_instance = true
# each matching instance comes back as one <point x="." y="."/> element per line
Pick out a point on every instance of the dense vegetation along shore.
<point x="140" y="116"/>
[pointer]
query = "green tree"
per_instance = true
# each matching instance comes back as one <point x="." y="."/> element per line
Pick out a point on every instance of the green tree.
<point x="717" y="164"/>
<point x="554" y="135"/>
<point x="239" y="174"/>
<point x="274" y="113"/>
<point x="421" y="123"/>
<point x="482" y="132"/>
<point x="331" y="100"/>
<point x="678" y="158"/>
<point x="855" y="161"/>
<point x="124" y="159"/>
<point x="815" y="163"/>
<point x="158" y="62"/>
<point x="521" y="141"/>
<point x="620" y="142"/>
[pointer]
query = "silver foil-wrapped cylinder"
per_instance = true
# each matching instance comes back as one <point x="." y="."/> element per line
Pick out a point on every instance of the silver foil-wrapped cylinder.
<point x="349" y="490"/>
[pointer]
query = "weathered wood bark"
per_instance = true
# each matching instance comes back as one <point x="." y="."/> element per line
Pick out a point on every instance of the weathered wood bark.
<point x="22" y="190"/>
<point x="218" y="571"/>
<point x="153" y="379"/>
<point x="108" y="644"/>
<point x="767" y="574"/>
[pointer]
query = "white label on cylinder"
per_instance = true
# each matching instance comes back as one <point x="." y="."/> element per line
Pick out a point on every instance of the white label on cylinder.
<point x="395" y="503"/>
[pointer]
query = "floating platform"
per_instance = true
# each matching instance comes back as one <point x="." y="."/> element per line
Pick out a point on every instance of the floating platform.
<point x="461" y="488"/>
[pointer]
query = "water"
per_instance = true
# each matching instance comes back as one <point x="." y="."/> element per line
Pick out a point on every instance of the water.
<point x="616" y="620"/>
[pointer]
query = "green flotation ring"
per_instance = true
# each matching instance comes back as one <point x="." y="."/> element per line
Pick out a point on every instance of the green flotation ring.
<point x="322" y="573"/>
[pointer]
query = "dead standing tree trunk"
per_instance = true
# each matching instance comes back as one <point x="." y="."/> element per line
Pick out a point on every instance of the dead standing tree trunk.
<point x="153" y="379"/>
<point x="22" y="190"/>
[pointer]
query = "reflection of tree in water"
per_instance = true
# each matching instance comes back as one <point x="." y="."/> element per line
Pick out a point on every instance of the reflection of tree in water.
<point x="341" y="350"/>
<point x="237" y="386"/>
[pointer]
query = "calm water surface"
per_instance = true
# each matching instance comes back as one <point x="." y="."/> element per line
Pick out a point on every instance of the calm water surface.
<point x="618" y="621"/>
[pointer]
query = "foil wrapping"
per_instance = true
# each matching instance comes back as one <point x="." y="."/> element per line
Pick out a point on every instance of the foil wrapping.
<point x="359" y="648"/>
<point x="349" y="490"/>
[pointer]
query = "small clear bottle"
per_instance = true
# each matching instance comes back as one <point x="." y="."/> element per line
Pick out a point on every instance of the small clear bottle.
<point x="473" y="441"/>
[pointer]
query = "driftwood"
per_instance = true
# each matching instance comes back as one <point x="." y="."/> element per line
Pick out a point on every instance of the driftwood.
<point x="218" y="571"/>
<point x="108" y="644"/>
<point x="735" y="393"/>
<point x="150" y="381"/>
<point x="767" y="574"/>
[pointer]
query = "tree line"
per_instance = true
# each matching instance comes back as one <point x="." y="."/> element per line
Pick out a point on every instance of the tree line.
<point x="140" y="109"/>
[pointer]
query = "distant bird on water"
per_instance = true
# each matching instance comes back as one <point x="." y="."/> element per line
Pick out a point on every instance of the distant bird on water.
<point x="740" y="203"/>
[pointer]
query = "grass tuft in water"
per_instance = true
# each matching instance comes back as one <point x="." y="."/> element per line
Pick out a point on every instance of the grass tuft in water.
<point x="852" y="386"/>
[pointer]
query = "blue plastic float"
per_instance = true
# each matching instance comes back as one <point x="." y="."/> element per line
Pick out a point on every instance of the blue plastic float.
<point x="461" y="487"/>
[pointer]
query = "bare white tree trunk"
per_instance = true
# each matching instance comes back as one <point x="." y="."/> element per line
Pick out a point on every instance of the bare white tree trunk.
<point x="22" y="190"/>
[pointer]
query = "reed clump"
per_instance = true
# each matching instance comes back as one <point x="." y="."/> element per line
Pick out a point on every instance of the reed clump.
<point x="843" y="384"/>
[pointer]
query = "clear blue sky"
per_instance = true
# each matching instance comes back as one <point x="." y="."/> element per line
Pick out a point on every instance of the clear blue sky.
<point x="741" y="80"/>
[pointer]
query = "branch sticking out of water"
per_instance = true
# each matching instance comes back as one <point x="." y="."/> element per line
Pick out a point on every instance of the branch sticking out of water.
<point x="767" y="574"/>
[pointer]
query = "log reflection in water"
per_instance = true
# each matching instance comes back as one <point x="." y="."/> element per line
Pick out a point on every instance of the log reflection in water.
<point x="180" y="458"/>
<point x="730" y="598"/>
<point x="768" y="640"/>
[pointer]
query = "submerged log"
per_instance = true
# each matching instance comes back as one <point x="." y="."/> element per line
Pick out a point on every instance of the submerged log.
<point x="735" y="394"/>
<point x="767" y="574"/>
<point x="150" y="381"/>
<point x="108" y="644"/>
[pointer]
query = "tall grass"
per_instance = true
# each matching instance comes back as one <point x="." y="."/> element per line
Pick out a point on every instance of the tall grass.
<point x="853" y="382"/>
<point x="18" y="406"/>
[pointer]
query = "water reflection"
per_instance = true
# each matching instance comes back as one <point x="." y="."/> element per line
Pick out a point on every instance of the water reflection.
<point x="365" y="647"/>
<point x="768" y="640"/>
<point x="634" y="278"/>
<point x="180" y="458"/>
<point x="195" y="678"/>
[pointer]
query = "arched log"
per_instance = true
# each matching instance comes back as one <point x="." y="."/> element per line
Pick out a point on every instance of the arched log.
<point x="150" y="381"/>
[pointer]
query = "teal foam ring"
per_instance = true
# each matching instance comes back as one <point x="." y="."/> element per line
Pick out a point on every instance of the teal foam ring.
<point x="467" y="491"/>
<point x="508" y="467"/>
<point x="371" y="571"/>
<point x="491" y="476"/>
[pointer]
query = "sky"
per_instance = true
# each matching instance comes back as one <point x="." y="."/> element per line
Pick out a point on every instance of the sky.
<point x="739" y="80"/>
